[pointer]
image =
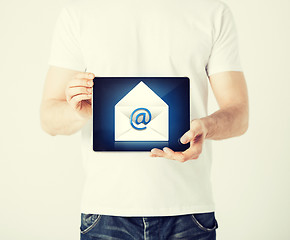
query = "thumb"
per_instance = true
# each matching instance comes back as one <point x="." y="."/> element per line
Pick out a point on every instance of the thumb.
<point x="188" y="136"/>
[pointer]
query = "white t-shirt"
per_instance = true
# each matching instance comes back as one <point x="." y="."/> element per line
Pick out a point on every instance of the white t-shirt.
<point x="193" y="38"/>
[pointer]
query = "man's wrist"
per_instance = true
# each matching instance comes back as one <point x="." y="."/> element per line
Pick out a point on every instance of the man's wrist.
<point x="210" y="125"/>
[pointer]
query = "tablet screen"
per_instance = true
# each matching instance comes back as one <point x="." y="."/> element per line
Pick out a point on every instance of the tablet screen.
<point x="140" y="113"/>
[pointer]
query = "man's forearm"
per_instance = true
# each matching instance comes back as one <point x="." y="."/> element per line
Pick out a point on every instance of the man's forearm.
<point x="59" y="118"/>
<point x="227" y="122"/>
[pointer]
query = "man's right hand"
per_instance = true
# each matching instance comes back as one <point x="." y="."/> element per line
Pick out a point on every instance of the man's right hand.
<point x="78" y="94"/>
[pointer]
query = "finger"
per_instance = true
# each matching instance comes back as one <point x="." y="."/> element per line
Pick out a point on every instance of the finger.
<point x="191" y="153"/>
<point x="188" y="136"/>
<point x="152" y="155"/>
<point x="81" y="82"/>
<point x="157" y="152"/>
<point x="178" y="156"/>
<point x="71" y="92"/>
<point x="85" y="75"/>
<point x="168" y="153"/>
<point x="78" y="98"/>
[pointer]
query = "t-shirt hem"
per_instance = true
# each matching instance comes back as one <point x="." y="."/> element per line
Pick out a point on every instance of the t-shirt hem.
<point x="219" y="70"/>
<point x="135" y="212"/>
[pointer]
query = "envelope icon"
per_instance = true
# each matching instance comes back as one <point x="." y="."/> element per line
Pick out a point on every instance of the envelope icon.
<point x="141" y="115"/>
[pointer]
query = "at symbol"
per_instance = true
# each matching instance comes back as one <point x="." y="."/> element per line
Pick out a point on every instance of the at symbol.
<point x="139" y="116"/>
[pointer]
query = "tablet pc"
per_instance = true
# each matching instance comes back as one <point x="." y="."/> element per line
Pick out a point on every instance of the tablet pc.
<point x="140" y="113"/>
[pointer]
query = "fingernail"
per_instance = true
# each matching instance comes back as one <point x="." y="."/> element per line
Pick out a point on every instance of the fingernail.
<point x="91" y="75"/>
<point x="165" y="149"/>
<point x="183" y="139"/>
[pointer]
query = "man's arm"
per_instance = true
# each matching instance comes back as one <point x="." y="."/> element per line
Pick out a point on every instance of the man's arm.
<point x="231" y="93"/>
<point x="230" y="120"/>
<point x="66" y="101"/>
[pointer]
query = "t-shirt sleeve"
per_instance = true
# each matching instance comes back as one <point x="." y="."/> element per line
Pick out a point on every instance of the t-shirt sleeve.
<point x="65" y="48"/>
<point x="225" y="50"/>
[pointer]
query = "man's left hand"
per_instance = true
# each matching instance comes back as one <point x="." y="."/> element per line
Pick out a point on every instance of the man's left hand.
<point x="195" y="136"/>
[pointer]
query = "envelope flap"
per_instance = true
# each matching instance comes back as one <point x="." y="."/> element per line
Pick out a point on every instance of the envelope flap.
<point x="141" y="94"/>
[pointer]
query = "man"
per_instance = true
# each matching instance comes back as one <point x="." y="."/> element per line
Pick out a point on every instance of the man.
<point x="140" y="195"/>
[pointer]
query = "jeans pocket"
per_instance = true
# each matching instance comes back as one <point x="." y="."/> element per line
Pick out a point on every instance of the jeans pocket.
<point x="205" y="221"/>
<point x="88" y="222"/>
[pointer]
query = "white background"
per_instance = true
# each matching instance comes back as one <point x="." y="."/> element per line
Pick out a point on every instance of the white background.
<point x="41" y="177"/>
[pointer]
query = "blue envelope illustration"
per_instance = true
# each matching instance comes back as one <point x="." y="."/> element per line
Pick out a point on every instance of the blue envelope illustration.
<point x="141" y="115"/>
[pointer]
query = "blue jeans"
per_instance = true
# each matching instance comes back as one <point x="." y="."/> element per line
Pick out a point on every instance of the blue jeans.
<point x="199" y="226"/>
